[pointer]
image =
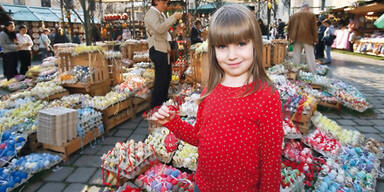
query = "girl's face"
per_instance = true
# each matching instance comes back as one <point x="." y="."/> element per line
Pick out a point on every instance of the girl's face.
<point x="235" y="59"/>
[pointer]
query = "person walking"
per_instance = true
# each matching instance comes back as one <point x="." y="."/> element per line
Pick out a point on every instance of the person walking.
<point x="328" y="39"/>
<point x="302" y="31"/>
<point x="238" y="128"/>
<point x="45" y="46"/>
<point x="25" y="43"/>
<point x="8" y="42"/>
<point x="157" y="26"/>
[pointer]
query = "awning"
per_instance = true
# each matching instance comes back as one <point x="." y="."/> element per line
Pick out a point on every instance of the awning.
<point x="74" y="17"/>
<point x="206" y="8"/>
<point x="362" y="10"/>
<point x="44" y="14"/>
<point x="20" y="12"/>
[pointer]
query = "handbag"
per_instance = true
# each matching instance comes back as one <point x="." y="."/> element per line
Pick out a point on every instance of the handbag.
<point x="328" y="40"/>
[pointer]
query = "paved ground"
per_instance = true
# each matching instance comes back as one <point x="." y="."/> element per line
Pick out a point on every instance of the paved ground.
<point x="82" y="171"/>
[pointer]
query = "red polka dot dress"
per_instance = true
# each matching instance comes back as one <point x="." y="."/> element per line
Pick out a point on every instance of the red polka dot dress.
<point x="238" y="138"/>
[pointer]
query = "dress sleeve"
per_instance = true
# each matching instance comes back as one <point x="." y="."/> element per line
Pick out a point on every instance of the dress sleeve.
<point x="184" y="130"/>
<point x="271" y="129"/>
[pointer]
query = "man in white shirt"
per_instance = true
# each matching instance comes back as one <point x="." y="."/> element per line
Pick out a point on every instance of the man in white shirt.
<point x="25" y="43"/>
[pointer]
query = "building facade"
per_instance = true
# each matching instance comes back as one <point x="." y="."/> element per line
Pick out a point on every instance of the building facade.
<point x="318" y="6"/>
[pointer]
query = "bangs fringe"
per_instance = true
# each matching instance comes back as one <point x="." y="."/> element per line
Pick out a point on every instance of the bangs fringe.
<point x="229" y="30"/>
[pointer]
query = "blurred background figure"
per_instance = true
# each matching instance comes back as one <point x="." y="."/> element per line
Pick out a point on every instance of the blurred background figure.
<point x="25" y="43"/>
<point x="264" y="29"/>
<point x="8" y="42"/>
<point x="195" y="33"/>
<point x="280" y="29"/>
<point x="45" y="44"/>
<point x="76" y="38"/>
<point x="60" y="36"/>
<point x="319" y="47"/>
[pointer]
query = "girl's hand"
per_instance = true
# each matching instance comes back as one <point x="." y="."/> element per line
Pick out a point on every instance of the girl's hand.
<point x="163" y="115"/>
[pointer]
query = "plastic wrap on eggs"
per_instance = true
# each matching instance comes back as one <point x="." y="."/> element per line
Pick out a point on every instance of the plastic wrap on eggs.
<point x="128" y="158"/>
<point x="89" y="118"/>
<point x="325" y="145"/>
<point x="360" y="167"/>
<point x="22" y="118"/>
<point x="45" y="89"/>
<point x="35" y="162"/>
<point x="345" y="136"/>
<point x="314" y="79"/>
<point x="156" y="139"/>
<point x="103" y="102"/>
<point x="163" y="178"/>
<point x="291" y="179"/>
<point x="186" y="156"/>
<point x="11" y="179"/>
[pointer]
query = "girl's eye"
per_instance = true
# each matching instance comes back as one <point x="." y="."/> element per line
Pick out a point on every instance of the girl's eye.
<point x="242" y="43"/>
<point x="221" y="46"/>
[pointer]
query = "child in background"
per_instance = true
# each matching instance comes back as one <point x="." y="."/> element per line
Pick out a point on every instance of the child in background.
<point x="238" y="130"/>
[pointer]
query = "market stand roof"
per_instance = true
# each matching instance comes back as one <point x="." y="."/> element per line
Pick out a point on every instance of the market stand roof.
<point x="25" y="13"/>
<point x="362" y="10"/>
<point x="44" y="14"/>
<point x="20" y="12"/>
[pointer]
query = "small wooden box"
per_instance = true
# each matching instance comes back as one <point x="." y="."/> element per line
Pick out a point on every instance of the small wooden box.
<point x="266" y="55"/>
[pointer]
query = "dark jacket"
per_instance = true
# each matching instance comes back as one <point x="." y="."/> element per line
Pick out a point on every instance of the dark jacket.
<point x="195" y="36"/>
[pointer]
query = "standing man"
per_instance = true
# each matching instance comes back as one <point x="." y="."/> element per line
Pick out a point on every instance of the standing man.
<point x="302" y="31"/>
<point x="25" y="43"/>
<point x="157" y="26"/>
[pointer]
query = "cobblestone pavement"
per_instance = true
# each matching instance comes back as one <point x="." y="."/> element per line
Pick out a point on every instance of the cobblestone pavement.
<point x="82" y="172"/>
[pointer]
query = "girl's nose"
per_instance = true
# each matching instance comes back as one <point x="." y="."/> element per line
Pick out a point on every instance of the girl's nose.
<point x="232" y="54"/>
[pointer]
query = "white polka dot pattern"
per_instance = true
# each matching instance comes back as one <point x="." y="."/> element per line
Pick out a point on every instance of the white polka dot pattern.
<point x="239" y="140"/>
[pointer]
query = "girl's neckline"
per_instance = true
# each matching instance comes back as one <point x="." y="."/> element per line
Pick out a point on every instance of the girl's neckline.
<point x="235" y="87"/>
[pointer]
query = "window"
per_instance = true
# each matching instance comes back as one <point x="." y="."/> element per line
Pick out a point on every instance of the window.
<point x="19" y="2"/>
<point x="46" y="3"/>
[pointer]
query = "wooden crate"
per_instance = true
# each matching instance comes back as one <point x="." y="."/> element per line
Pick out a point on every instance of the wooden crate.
<point x="56" y="96"/>
<point x="200" y="65"/>
<point x="115" y="70"/>
<point x="278" y="53"/>
<point x="336" y="105"/>
<point x="99" y="83"/>
<point x="97" y="89"/>
<point x="140" y="104"/>
<point x="75" y="144"/>
<point x="316" y="86"/>
<point x="117" y="113"/>
<point x="292" y="76"/>
<point x="32" y="142"/>
<point x="266" y="55"/>
<point x="303" y="127"/>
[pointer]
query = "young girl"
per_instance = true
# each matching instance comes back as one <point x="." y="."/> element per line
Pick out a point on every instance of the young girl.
<point x="238" y="130"/>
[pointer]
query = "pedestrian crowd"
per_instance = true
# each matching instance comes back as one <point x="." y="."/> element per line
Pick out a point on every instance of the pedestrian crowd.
<point x="16" y="46"/>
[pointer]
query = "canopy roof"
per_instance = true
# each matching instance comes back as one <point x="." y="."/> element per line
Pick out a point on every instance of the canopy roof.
<point x="20" y="13"/>
<point x="362" y="10"/>
<point x="25" y="13"/>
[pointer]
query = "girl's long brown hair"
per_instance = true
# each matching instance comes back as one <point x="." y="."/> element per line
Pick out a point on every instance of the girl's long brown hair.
<point x="233" y="24"/>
